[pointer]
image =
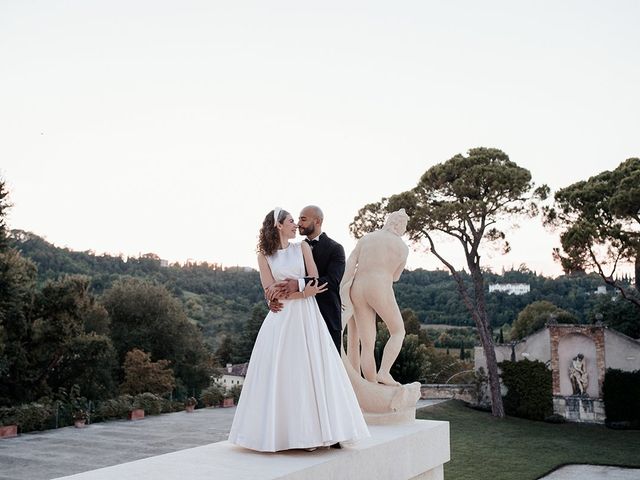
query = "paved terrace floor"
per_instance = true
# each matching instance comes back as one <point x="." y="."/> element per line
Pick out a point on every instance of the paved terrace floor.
<point x="65" y="451"/>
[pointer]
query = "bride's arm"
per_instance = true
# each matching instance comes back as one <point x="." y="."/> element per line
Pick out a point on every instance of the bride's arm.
<point x="266" y="277"/>
<point x="267" y="280"/>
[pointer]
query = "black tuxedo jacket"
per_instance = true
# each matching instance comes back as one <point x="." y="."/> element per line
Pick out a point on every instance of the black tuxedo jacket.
<point x="329" y="257"/>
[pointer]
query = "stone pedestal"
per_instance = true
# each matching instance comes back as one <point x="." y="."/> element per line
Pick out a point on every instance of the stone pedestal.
<point x="415" y="451"/>
<point x="577" y="408"/>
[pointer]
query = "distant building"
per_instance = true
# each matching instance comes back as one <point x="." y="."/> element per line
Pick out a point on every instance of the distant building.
<point x="510" y="288"/>
<point x="602" y="290"/>
<point x="233" y="375"/>
<point x="164" y="263"/>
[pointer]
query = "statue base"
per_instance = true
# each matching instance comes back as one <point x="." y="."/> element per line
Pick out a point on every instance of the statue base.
<point x="399" y="417"/>
<point x="383" y="404"/>
<point x="579" y="408"/>
<point x="394" y="405"/>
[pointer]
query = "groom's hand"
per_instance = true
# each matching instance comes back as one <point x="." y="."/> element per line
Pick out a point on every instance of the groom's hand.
<point x="275" y="291"/>
<point x="275" y="306"/>
<point x="291" y="286"/>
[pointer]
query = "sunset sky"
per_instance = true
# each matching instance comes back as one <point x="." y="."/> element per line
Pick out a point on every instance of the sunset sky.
<point x="174" y="127"/>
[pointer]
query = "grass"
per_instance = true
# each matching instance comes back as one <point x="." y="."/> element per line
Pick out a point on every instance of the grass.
<point x="484" y="447"/>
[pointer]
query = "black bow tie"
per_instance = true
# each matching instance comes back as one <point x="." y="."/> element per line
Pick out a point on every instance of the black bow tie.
<point x="312" y="243"/>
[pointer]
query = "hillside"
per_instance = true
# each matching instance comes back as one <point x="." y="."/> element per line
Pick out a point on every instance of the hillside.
<point x="220" y="299"/>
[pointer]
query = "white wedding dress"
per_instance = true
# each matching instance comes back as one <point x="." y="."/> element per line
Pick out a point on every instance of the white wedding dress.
<point x="296" y="393"/>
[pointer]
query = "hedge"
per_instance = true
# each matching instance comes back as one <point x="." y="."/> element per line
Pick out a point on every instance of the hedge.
<point x="621" y="395"/>
<point x="530" y="390"/>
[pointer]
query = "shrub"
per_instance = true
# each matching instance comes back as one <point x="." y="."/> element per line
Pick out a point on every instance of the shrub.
<point x="213" y="395"/>
<point x="8" y="416"/>
<point x="32" y="416"/>
<point x="150" y="403"/>
<point x="115" y="407"/>
<point x="142" y="375"/>
<point x="235" y="393"/>
<point x="530" y="391"/>
<point x="621" y="395"/>
<point x="169" y="406"/>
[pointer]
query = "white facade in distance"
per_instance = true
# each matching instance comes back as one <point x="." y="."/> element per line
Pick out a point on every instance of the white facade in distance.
<point x="233" y="375"/>
<point x="510" y="288"/>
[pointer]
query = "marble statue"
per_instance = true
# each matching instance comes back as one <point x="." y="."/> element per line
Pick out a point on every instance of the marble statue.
<point x="366" y="290"/>
<point x="578" y="375"/>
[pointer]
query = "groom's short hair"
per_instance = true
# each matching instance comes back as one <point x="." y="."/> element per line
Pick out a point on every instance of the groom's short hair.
<point x="316" y="211"/>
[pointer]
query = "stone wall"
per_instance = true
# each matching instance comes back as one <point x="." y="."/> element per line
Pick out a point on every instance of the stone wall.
<point x="579" y="409"/>
<point x="621" y="352"/>
<point x="534" y="347"/>
<point x="465" y="392"/>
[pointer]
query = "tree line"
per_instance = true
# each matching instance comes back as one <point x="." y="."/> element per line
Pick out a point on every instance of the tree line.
<point x="221" y="300"/>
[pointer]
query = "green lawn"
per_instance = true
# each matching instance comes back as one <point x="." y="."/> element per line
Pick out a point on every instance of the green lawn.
<point x="483" y="447"/>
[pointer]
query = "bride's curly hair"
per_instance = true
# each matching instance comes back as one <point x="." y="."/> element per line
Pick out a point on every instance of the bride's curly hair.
<point x="269" y="238"/>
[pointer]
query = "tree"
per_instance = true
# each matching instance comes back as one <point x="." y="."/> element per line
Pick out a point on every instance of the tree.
<point x="536" y="315"/>
<point x="412" y="326"/>
<point x="17" y="291"/>
<point x="248" y="338"/>
<point x="600" y="218"/>
<point x="58" y="319"/>
<point x="225" y="352"/>
<point x="464" y="198"/>
<point x="17" y="283"/>
<point x="146" y="316"/>
<point x="142" y="375"/>
<point x="4" y="206"/>
<point x="90" y="363"/>
<point x="621" y="316"/>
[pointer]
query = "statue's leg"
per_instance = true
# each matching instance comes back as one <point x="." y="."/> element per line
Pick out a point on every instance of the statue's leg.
<point x="388" y="310"/>
<point x="365" y="319"/>
<point x="353" y="344"/>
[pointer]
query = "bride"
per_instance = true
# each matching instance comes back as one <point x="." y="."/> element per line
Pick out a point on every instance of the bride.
<point x="296" y="393"/>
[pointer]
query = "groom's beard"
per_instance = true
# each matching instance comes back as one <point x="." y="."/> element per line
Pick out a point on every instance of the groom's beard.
<point x="308" y="231"/>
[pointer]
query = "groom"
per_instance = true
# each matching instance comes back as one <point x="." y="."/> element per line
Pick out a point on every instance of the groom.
<point x="330" y="260"/>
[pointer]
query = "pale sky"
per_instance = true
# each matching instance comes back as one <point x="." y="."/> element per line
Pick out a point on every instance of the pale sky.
<point x="173" y="127"/>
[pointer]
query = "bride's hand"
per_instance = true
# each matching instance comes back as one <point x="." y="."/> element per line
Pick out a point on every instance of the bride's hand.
<point x="312" y="288"/>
